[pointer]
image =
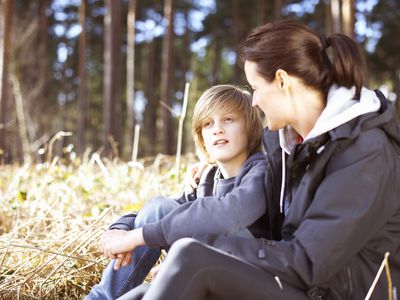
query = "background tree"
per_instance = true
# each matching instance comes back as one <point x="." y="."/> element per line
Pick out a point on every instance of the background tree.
<point x="112" y="78"/>
<point x="5" y="45"/>
<point x="194" y="41"/>
<point x="130" y="71"/>
<point x="83" y="91"/>
<point x="168" y="140"/>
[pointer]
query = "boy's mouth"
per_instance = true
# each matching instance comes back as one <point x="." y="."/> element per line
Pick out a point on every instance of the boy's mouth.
<point x="220" y="142"/>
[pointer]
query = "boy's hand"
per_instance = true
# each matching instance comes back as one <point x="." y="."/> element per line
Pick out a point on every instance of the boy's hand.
<point x="122" y="260"/>
<point x="193" y="176"/>
<point x="154" y="271"/>
<point x="115" y="242"/>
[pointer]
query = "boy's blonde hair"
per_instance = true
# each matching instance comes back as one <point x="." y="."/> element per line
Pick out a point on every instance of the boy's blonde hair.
<point x="227" y="98"/>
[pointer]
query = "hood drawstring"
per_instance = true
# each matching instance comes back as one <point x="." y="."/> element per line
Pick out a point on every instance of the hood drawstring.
<point x="282" y="196"/>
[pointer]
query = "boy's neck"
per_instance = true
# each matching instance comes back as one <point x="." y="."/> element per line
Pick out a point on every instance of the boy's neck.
<point x="232" y="167"/>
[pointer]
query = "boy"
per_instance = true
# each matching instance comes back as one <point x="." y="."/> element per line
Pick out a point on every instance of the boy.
<point x="230" y="198"/>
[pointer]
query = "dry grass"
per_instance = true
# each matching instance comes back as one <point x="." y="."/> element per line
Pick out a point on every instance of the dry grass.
<point x="51" y="217"/>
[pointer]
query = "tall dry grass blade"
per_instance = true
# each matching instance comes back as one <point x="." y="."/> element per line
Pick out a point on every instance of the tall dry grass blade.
<point x="389" y="279"/>
<point x="56" y="137"/>
<point x="180" y="131"/>
<point x="135" y="145"/>
<point x="371" y="289"/>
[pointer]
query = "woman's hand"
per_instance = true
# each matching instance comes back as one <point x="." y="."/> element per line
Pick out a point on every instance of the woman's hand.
<point x="193" y="176"/>
<point x="114" y="242"/>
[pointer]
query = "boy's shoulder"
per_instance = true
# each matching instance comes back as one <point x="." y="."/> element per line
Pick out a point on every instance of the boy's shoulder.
<point x="257" y="158"/>
<point x="256" y="164"/>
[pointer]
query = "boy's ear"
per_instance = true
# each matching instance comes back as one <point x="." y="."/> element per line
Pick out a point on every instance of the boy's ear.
<point x="282" y="78"/>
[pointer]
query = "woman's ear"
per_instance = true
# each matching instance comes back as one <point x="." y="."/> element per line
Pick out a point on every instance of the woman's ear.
<point x="282" y="78"/>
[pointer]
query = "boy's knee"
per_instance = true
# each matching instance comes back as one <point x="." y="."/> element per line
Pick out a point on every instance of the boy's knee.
<point x="154" y="210"/>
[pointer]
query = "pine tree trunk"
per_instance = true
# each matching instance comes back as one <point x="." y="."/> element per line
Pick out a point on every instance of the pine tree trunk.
<point x="150" y="113"/>
<point x="237" y="37"/>
<point x="130" y="69"/>
<point x="38" y="106"/>
<point x="166" y="88"/>
<point x="261" y="13"/>
<point x="336" y="16"/>
<point x="278" y="9"/>
<point x="112" y="78"/>
<point x="348" y="14"/>
<point x="216" y="55"/>
<point x="6" y="21"/>
<point x="83" y="91"/>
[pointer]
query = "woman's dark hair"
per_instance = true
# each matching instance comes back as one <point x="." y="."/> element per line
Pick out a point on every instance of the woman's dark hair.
<point x="301" y="52"/>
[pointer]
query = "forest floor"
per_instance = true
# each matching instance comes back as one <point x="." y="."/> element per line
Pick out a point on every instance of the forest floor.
<point x="52" y="215"/>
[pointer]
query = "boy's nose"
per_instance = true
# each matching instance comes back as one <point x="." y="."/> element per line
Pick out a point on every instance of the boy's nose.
<point x="217" y="128"/>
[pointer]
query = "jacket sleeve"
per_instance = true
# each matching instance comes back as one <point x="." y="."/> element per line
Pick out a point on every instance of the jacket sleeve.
<point x="126" y="222"/>
<point x="351" y="204"/>
<point x="207" y="215"/>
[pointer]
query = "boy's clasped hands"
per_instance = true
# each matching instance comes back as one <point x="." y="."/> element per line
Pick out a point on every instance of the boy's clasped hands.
<point x="119" y="244"/>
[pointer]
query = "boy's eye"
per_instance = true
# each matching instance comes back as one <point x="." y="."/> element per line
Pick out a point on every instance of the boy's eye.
<point x="206" y="124"/>
<point x="228" y="119"/>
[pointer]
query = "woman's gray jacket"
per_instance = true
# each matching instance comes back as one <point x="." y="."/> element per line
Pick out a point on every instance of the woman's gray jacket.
<point x="344" y="213"/>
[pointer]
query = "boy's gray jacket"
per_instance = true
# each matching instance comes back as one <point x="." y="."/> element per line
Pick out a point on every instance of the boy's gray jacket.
<point x="344" y="189"/>
<point x="223" y="206"/>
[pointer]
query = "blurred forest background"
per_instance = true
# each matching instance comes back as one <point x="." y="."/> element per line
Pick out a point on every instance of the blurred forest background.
<point x="77" y="76"/>
<point x="93" y="69"/>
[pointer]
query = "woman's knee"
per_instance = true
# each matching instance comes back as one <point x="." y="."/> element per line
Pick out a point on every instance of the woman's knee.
<point x="186" y="252"/>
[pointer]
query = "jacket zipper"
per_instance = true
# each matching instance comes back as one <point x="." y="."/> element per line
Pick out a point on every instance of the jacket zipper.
<point x="261" y="250"/>
<point x="349" y="282"/>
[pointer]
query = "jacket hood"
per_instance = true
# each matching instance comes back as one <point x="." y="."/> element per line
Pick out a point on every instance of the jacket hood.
<point x="345" y="117"/>
<point x="341" y="107"/>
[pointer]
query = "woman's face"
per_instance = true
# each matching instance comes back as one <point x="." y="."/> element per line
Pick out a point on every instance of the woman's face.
<point x="268" y="97"/>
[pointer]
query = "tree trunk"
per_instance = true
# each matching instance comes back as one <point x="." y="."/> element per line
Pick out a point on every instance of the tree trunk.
<point x="150" y="113"/>
<point x="43" y="65"/>
<point x="186" y="66"/>
<point x="216" y="54"/>
<point x="83" y="90"/>
<point x="167" y="81"/>
<point x="278" y="9"/>
<point x="19" y="106"/>
<point x="261" y="13"/>
<point x="396" y="90"/>
<point x="336" y="16"/>
<point x="6" y="21"/>
<point x="112" y="77"/>
<point x="130" y="69"/>
<point x="348" y="14"/>
<point x="237" y="37"/>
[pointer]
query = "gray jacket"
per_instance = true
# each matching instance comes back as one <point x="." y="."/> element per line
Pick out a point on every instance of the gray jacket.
<point x="344" y="211"/>
<point x="222" y="206"/>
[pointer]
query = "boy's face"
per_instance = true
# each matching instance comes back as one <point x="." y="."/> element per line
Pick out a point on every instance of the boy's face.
<point x="225" y="138"/>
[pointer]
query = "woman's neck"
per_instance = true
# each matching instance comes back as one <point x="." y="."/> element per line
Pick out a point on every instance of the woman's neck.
<point x="308" y="106"/>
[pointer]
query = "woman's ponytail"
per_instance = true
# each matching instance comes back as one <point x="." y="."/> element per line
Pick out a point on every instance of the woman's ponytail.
<point x="347" y="64"/>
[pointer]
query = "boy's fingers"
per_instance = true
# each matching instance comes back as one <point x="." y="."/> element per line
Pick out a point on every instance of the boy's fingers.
<point x="154" y="271"/>
<point x="117" y="264"/>
<point x="127" y="259"/>
<point x="194" y="173"/>
<point x="199" y="172"/>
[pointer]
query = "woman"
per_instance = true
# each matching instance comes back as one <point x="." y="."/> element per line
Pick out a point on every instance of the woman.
<point x="339" y="188"/>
